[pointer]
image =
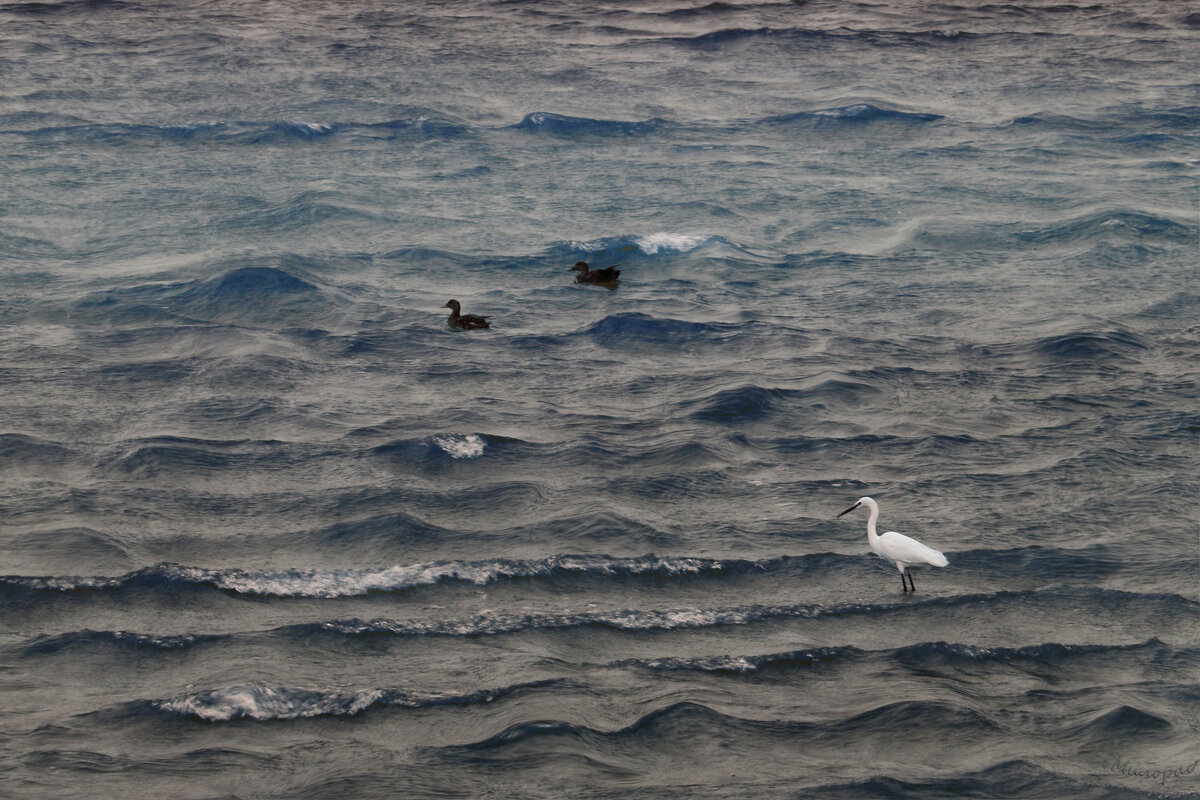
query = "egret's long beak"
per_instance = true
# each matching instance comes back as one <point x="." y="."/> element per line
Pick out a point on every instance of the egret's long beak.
<point x="848" y="510"/>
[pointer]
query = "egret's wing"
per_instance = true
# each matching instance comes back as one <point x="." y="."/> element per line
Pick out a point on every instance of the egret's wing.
<point x="899" y="547"/>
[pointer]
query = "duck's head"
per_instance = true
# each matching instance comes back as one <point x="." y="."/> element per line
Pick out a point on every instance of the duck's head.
<point x="452" y="305"/>
<point x="580" y="267"/>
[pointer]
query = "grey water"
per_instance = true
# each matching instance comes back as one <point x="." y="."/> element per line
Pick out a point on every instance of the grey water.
<point x="269" y="528"/>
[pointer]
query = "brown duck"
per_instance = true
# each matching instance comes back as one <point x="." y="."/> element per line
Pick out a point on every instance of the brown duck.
<point x="605" y="275"/>
<point x="465" y="322"/>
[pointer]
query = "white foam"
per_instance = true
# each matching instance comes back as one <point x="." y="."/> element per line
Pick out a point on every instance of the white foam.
<point x="314" y="127"/>
<point x="847" y="111"/>
<point x="652" y="244"/>
<point x="332" y="583"/>
<point x="255" y="701"/>
<point x="459" y="445"/>
<point x="669" y="242"/>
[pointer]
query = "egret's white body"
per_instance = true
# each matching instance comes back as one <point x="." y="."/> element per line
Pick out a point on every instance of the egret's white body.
<point x="903" y="551"/>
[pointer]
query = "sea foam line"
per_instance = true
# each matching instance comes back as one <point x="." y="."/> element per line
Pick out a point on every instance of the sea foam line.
<point x="687" y="618"/>
<point x="356" y="582"/>
<point x="258" y="701"/>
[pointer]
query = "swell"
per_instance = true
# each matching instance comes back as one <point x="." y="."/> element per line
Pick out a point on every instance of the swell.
<point x="1037" y="562"/>
<point x="126" y="641"/>
<point x="1095" y="343"/>
<point x="853" y="114"/>
<point x="67" y="7"/>
<point x="1009" y="778"/>
<point x="1050" y="658"/>
<point x="687" y="720"/>
<point x="567" y="127"/>
<point x="431" y="126"/>
<point x="421" y="127"/>
<point x="1088" y="232"/>
<point x="351" y="582"/>
<point x="931" y="655"/>
<point x="1106" y="223"/>
<point x="443" y="451"/>
<point x="265" y="702"/>
<point x="661" y="732"/>
<point x="45" y="128"/>
<point x="245" y="293"/>
<point x="790" y="36"/>
<point x="633" y="620"/>
<point x="668" y="732"/>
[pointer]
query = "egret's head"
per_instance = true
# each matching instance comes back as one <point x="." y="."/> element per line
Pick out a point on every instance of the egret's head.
<point x="862" y="501"/>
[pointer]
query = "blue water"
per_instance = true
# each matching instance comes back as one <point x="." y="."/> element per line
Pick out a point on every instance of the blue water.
<point x="269" y="528"/>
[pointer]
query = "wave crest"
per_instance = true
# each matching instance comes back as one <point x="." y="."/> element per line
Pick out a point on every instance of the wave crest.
<point x="262" y="702"/>
<point x="562" y="126"/>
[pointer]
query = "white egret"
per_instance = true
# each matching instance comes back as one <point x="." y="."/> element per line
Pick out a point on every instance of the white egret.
<point x="903" y="551"/>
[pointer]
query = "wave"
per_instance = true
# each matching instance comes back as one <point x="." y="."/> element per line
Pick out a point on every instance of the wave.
<point x="1182" y="118"/>
<point x="1108" y="223"/>
<point x="920" y="657"/>
<point x="564" y="127"/>
<point x="1120" y="722"/>
<point x="621" y="248"/>
<point x="1049" y="562"/>
<point x="735" y="664"/>
<point x="458" y="446"/>
<point x="1013" y="778"/>
<point x="1056" y="120"/>
<point x="1089" y="346"/>
<point x="72" y="545"/>
<point x="641" y="249"/>
<point x="641" y="331"/>
<point x="17" y="448"/>
<point x="1177" y="305"/>
<point x="422" y="127"/>
<point x="177" y="454"/>
<point x="262" y="702"/>
<point x="239" y="294"/>
<point x="853" y="114"/>
<point x="749" y="403"/>
<point x="123" y="640"/>
<point x="65" y="7"/>
<point x="692" y="618"/>
<point x="1045" y="563"/>
<point x="688" y="719"/>
<point x="301" y="211"/>
<point x="1099" y="343"/>
<point x="358" y="582"/>
<point x="791" y="36"/>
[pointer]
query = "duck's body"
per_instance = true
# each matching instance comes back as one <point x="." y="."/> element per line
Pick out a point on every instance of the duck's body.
<point x="465" y="322"/>
<point x="903" y="551"/>
<point x="603" y="276"/>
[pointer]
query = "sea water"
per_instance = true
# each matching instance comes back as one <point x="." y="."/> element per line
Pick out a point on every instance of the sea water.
<point x="269" y="528"/>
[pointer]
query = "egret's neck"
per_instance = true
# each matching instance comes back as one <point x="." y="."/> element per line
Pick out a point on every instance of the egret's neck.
<point x="871" y="520"/>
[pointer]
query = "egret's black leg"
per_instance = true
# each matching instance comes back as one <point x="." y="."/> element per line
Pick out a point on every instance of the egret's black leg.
<point x="911" y="582"/>
<point x="903" y="583"/>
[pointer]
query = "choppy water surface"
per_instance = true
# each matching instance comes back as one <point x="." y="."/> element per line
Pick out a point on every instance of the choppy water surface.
<point x="269" y="528"/>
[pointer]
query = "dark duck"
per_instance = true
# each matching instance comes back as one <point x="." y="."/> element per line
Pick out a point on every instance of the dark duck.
<point x="465" y="322"/>
<point x="607" y="275"/>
